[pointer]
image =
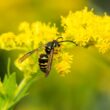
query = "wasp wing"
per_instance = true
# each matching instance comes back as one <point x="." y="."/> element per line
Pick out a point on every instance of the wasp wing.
<point x="25" y="56"/>
<point x="49" y="64"/>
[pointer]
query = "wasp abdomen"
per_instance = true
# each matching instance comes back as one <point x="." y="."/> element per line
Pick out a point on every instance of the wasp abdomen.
<point x="43" y="60"/>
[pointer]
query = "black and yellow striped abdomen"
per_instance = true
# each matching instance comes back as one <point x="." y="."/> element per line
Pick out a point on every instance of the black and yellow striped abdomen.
<point x="43" y="60"/>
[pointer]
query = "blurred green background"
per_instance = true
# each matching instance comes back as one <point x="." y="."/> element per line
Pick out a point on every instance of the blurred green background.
<point x="87" y="87"/>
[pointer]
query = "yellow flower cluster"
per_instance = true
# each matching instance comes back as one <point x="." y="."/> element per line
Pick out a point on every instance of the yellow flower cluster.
<point x="29" y="66"/>
<point x="64" y="59"/>
<point x="85" y="27"/>
<point x="31" y="37"/>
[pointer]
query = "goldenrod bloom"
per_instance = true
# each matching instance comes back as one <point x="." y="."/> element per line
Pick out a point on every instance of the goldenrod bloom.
<point x="29" y="66"/>
<point x="76" y="26"/>
<point x="64" y="63"/>
<point x="7" y="41"/>
<point x="83" y="27"/>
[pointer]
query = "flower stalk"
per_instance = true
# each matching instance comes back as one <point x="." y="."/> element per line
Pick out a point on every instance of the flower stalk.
<point x="22" y="89"/>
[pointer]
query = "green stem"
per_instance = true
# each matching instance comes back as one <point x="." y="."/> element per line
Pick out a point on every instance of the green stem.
<point x="5" y="106"/>
<point x="24" y="86"/>
<point x="8" y="66"/>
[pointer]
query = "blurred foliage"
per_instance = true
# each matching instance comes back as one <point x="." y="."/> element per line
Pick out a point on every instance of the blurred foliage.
<point x="103" y="4"/>
<point x="15" y="11"/>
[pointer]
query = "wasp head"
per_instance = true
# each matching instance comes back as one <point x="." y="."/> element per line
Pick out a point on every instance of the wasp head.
<point x="51" y="45"/>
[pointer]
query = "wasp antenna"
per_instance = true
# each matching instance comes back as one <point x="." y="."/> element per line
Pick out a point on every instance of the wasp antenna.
<point x="59" y="38"/>
<point x="69" y="41"/>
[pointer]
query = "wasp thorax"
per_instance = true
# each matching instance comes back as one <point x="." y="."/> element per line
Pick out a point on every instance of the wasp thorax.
<point x="51" y="45"/>
<point x="48" y="47"/>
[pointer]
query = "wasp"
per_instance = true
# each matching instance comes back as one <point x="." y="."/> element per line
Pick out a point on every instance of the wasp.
<point x="45" y="59"/>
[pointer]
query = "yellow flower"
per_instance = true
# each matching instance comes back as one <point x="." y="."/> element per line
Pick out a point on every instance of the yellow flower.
<point x="103" y="45"/>
<point x="29" y="66"/>
<point x="25" y="38"/>
<point x="63" y="65"/>
<point x="76" y="26"/>
<point x="24" y="26"/>
<point x="7" y="41"/>
<point x="43" y="32"/>
<point x="84" y="26"/>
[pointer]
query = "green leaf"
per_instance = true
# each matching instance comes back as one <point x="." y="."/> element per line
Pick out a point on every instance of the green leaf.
<point x="10" y="85"/>
<point x="21" y="91"/>
<point x="2" y="91"/>
<point x="2" y="102"/>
